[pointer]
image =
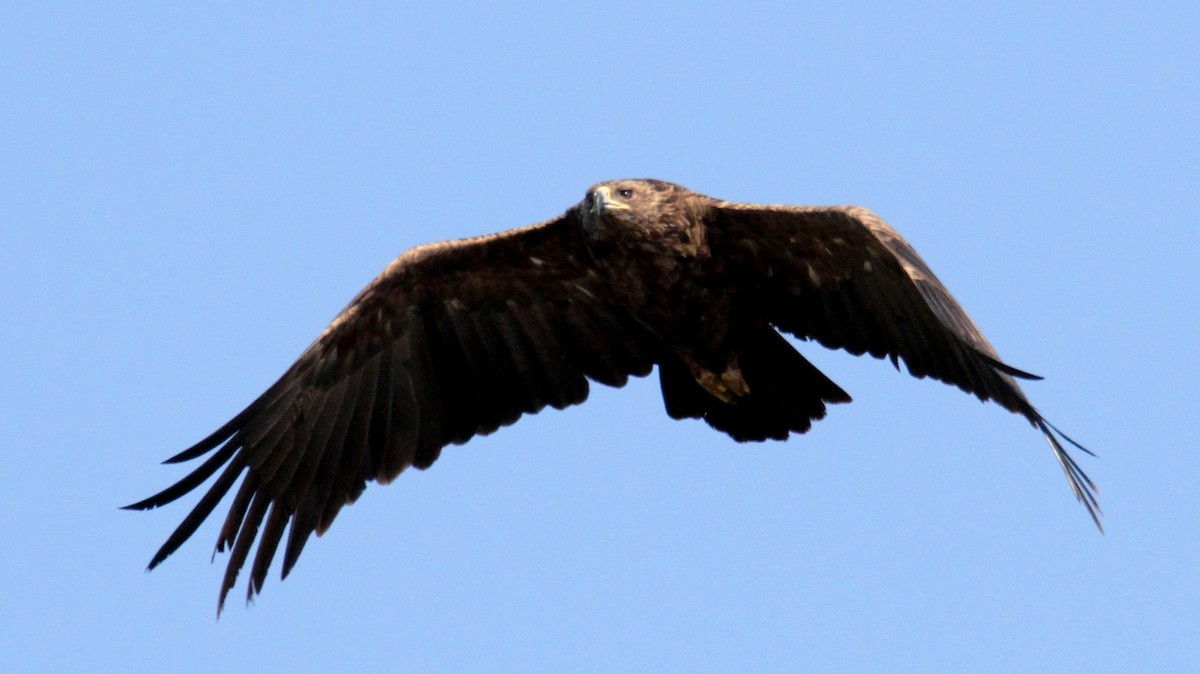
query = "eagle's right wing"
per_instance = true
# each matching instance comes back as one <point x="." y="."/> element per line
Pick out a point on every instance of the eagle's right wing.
<point x="452" y="340"/>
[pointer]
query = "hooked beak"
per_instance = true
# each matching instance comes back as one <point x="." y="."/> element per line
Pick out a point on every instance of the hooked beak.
<point x="602" y="201"/>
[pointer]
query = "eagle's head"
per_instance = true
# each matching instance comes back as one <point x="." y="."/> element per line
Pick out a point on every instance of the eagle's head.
<point x="632" y="208"/>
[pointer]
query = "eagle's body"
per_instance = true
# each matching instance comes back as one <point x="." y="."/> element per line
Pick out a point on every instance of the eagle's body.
<point x="456" y="339"/>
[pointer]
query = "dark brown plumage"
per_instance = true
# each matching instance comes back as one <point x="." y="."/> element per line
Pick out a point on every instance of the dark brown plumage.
<point x="456" y="339"/>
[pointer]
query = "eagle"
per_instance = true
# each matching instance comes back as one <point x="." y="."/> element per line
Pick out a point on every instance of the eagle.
<point x="458" y="338"/>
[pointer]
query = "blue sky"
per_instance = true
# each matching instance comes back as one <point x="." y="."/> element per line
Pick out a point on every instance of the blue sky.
<point x="191" y="193"/>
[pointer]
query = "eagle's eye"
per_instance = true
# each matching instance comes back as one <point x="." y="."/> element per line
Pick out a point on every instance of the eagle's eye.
<point x="625" y="192"/>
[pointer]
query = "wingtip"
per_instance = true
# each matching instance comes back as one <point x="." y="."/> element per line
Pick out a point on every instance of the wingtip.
<point x="1009" y="369"/>
<point x="253" y="588"/>
<point x="226" y="587"/>
<point x="221" y="436"/>
<point x="1084" y="488"/>
<point x="159" y="558"/>
<point x="1070" y="440"/>
<point x="149" y="503"/>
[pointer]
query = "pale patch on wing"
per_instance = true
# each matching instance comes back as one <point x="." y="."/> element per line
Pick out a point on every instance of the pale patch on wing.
<point x="813" y="275"/>
<point x="583" y="289"/>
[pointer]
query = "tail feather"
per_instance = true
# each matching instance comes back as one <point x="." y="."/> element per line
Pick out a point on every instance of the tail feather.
<point x="786" y="392"/>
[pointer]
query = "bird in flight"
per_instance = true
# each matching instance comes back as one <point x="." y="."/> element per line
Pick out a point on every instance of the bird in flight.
<point x="459" y="338"/>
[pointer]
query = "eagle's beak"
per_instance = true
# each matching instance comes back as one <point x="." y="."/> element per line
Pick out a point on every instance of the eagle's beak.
<point x="602" y="200"/>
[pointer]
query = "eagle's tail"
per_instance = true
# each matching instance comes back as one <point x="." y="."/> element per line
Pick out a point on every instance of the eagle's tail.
<point x="786" y="392"/>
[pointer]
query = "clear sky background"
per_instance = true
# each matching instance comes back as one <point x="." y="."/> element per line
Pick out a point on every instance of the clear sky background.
<point x="188" y="195"/>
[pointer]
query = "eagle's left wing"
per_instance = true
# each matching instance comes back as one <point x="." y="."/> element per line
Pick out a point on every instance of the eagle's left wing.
<point x="844" y="277"/>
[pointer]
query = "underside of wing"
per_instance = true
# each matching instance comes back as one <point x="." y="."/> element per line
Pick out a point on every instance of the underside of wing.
<point x="845" y="278"/>
<point x="451" y="341"/>
<point x="825" y="274"/>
